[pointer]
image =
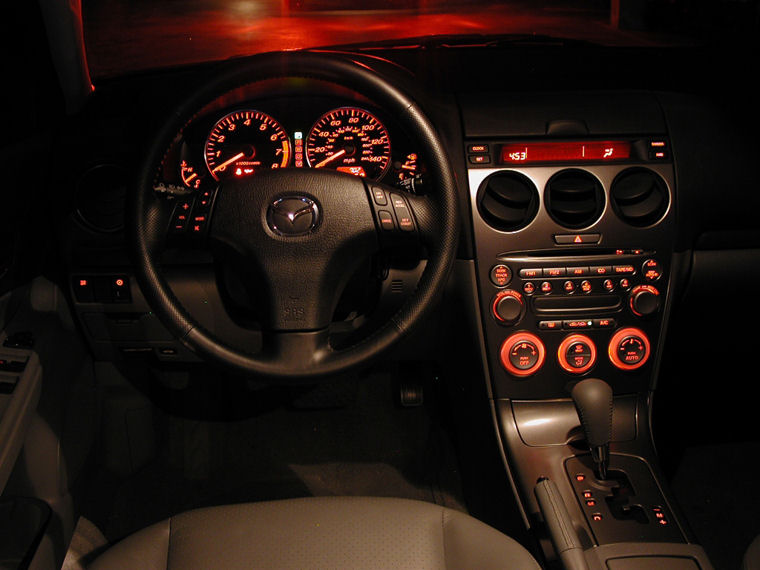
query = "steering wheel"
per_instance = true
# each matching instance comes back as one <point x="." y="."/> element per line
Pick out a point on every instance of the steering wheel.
<point x="306" y="230"/>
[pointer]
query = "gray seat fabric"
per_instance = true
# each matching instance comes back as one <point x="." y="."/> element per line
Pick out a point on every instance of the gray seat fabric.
<point x="752" y="556"/>
<point x="325" y="532"/>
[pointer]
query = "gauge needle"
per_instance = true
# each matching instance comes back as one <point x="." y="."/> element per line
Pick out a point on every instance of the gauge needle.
<point x="330" y="158"/>
<point x="230" y="161"/>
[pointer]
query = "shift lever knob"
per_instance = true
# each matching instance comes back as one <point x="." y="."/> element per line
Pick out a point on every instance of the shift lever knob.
<point x="593" y="402"/>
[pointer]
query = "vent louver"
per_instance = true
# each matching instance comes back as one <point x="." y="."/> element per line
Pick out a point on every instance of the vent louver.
<point x="507" y="201"/>
<point x="639" y="197"/>
<point x="574" y="198"/>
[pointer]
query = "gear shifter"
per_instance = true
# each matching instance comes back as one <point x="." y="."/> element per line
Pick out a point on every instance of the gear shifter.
<point x="593" y="402"/>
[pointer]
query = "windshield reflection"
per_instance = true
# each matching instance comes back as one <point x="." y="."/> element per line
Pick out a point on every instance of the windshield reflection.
<point x="128" y="35"/>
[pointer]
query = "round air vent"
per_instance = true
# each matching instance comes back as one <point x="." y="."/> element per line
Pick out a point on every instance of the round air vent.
<point x="574" y="198"/>
<point x="639" y="197"/>
<point x="100" y="195"/>
<point x="507" y="201"/>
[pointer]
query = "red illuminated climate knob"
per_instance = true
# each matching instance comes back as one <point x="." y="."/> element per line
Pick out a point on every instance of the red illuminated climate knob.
<point x="644" y="300"/>
<point x="522" y="354"/>
<point x="629" y="349"/>
<point x="508" y="307"/>
<point x="576" y="354"/>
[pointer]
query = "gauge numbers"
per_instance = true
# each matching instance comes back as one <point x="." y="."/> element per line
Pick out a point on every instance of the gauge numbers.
<point x="349" y="140"/>
<point x="245" y="142"/>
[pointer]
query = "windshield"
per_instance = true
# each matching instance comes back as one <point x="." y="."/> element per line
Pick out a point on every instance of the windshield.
<point x="130" y="35"/>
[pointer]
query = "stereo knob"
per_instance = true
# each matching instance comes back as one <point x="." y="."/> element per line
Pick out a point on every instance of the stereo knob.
<point x="508" y="307"/>
<point x="629" y="349"/>
<point x="522" y="354"/>
<point x="644" y="300"/>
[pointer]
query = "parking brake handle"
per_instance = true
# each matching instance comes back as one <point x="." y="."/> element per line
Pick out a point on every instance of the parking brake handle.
<point x="593" y="402"/>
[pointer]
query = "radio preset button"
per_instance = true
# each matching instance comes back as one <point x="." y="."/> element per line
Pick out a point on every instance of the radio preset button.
<point x="529" y="288"/>
<point x="546" y="287"/>
<point x="569" y="287"/>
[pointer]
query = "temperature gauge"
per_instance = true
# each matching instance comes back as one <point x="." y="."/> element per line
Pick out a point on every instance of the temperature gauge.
<point x="407" y="168"/>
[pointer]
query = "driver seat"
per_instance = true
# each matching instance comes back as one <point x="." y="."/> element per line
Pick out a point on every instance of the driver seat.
<point x="319" y="532"/>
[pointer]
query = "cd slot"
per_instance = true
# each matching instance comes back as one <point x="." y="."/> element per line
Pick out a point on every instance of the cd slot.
<point x="576" y="304"/>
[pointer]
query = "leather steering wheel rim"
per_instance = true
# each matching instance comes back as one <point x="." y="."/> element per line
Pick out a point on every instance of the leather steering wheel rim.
<point x="438" y="221"/>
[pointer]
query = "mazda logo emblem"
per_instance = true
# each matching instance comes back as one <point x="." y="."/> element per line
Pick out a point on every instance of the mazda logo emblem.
<point x="293" y="215"/>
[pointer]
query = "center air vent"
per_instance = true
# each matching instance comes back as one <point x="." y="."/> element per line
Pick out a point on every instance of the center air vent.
<point x="574" y="198"/>
<point x="639" y="197"/>
<point x="507" y="201"/>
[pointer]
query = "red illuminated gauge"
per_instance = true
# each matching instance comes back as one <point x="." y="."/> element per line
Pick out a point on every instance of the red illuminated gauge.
<point x="245" y="142"/>
<point x="349" y="140"/>
<point x="407" y="168"/>
<point x="189" y="175"/>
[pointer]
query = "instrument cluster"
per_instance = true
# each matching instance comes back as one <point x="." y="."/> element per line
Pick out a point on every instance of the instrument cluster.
<point x="240" y="141"/>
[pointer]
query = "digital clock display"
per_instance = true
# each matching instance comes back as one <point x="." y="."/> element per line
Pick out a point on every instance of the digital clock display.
<point x="526" y="153"/>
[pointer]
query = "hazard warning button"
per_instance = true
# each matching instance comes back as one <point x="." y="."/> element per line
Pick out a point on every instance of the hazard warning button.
<point x="575" y="239"/>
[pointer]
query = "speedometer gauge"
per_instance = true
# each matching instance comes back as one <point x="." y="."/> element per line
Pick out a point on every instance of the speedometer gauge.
<point x="349" y="140"/>
<point x="245" y="142"/>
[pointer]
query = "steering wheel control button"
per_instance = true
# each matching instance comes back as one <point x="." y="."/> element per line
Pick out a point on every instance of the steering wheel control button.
<point x="508" y="307"/>
<point x="293" y="216"/>
<point x="386" y="220"/>
<point x="629" y="349"/>
<point x="379" y="196"/>
<point x="522" y="354"/>
<point x="651" y="270"/>
<point x="644" y="300"/>
<point x="576" y="354"/>
<point x="501" y="275"/>
<point x="403" y="215"/>
<point x="181" y="217"/>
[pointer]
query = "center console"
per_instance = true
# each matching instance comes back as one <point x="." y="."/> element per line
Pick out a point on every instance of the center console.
<point x="573" y="237"/>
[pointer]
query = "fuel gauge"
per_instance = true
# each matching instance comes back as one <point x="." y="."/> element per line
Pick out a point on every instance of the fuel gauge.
<point x="189" y="175"/>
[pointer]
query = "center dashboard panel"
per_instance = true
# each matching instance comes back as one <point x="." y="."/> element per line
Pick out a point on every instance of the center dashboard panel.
<point x="573" y="247"/>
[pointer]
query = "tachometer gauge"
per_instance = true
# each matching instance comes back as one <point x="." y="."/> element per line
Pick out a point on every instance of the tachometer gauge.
<point x="350" y="140"/>
<point x="245" y="142"/>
